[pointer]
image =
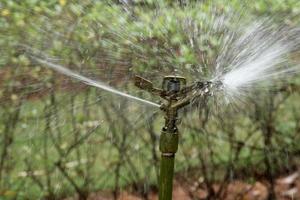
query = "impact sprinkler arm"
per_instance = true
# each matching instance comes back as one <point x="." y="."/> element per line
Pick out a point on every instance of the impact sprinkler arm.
<point x="177" y="96"/>
<point x="146" y="85"/>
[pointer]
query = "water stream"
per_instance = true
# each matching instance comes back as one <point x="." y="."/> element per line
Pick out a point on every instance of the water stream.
<point x="88" y="81"/>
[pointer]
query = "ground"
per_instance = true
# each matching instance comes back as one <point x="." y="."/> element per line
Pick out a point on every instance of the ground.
<point x="287" y="188"/>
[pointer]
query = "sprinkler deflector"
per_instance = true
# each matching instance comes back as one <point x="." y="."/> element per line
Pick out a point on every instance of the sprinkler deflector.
<point x="177" y="95"/>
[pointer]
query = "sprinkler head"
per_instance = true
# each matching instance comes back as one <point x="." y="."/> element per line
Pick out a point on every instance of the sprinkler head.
<point x="176" y="92"/>
<point x="177" y="95"/>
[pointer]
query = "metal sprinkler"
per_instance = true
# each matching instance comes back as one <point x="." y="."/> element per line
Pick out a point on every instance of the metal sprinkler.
<point x="177" y="95"/>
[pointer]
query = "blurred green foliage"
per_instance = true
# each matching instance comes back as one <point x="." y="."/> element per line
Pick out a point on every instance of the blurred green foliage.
<point x="116" y="41"/>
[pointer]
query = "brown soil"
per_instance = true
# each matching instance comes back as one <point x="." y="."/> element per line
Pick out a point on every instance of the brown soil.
<point x="287" y="188"/>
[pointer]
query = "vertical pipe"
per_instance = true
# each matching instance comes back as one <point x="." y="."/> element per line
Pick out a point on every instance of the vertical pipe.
<point x="168" y="147"/>
<point x="166" y="177"/>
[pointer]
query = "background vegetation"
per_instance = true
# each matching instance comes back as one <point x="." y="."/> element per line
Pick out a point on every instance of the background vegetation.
<point x="59" y="138"/>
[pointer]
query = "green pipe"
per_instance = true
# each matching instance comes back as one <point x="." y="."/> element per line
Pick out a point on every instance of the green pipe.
<point x="168" y="147"/>
<point x="166" y="177"/>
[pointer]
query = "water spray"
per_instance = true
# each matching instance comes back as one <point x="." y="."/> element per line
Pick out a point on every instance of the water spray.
<point x="88" y="81"/>
<point x="177" y="95"/>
